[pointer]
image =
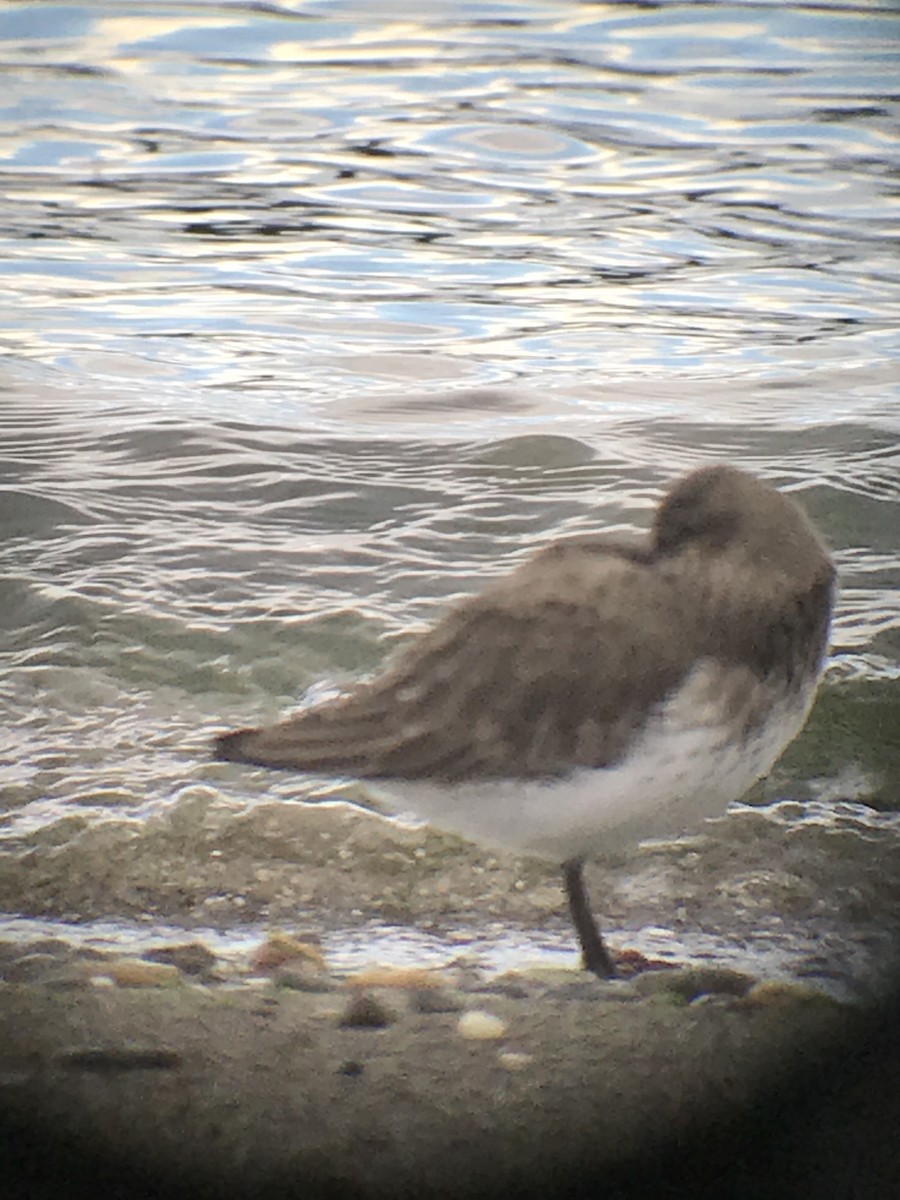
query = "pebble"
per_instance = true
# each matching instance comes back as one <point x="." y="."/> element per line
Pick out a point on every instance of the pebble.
<point x="329" y="1013"/>
<point x="30" y="968"/>
<point x="530" y="974"/>
<point x="351" y="1068"/>
<point x="303" y="977"/>
<point x="514" y="1060"/>
<point x="713" y="1000"/>
<point x="691" y="982"/>
<point x="478" y="1026"/>
<point x="418" y="978"/>
<point x="769" y="992"/>
<point x="15" y="950"/>
<point x="137" y="972"/>
<point x="68" y="977"/>
<point x="280" y="948"/>
<point x="366" y="1012"/>
<point x="191" y="958"/>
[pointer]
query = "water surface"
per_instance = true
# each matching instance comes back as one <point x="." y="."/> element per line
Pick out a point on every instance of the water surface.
<point x="317" y="316"/>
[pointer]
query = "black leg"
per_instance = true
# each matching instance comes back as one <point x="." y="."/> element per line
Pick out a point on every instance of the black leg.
<point x="594" y="955"/>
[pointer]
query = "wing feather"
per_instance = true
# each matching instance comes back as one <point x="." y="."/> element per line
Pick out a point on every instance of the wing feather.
<point x="545" y="670"/>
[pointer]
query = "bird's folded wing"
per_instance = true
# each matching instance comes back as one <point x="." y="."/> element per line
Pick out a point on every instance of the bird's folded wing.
<point x="543" y="672"/>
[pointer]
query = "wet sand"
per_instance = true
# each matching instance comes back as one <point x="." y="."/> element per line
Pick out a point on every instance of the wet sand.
<point x="189" y="1077"/>
<point x="262" y="1089"/>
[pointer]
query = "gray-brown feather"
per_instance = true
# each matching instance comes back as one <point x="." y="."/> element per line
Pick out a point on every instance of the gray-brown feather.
<point x="558" y="664"/>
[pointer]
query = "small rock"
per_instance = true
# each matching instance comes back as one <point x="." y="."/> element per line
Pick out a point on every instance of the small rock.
<point x="352" y="1068"/>
<point x="192" y="958"/>
<point x="279" y="948"/>
<point x="366" y="1012"/>
<point x="770" y="992"/>
<point x="49" y="945"/>
<point x="514" y="1060"/>
<point x="303" y="977"/>
<point x="67" y="978"/>
<point x="90" y="954"/>
<point x="713" y="1000"/>
<point x="630" y="963"/>
<point x="690" y="982"/>
<point x="31" y="968"/>
<point x="478" y="1026"/>
<point x="330" y="1014"/>
<point x="393" y="977"/>
<point x="137" y="972"/>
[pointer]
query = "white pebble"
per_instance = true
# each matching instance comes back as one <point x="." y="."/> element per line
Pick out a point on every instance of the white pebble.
<point x="480" y="1026"/>
<point x="514" y="1060"/>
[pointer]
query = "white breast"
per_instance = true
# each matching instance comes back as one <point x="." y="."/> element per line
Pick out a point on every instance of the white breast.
<point x="687" y="764"/>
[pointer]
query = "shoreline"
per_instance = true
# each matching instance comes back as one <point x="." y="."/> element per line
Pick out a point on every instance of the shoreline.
<point x="302" y="1082"/>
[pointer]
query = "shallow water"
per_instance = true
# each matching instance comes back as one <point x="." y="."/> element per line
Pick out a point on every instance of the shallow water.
<point x="315" y="317"/>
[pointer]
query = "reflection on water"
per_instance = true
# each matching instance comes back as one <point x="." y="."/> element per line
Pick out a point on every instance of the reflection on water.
<point x="315" y="318"/>
<point x="256" y="203"/>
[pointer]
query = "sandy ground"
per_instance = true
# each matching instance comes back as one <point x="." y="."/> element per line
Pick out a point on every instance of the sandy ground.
<point x="197" y="1082"/>
<point x="259" y="1090"/>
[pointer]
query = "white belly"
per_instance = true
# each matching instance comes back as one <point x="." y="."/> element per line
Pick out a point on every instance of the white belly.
<point x="683" y="768"/>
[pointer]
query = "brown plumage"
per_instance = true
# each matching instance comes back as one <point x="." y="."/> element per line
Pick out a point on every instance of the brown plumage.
<point x="558" y="664"/>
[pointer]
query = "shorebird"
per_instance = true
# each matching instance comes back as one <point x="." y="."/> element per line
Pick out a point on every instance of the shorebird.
<point x="607" y="690"/>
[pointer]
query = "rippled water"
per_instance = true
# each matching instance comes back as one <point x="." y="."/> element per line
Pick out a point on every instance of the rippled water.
<point x="317" y="315"/>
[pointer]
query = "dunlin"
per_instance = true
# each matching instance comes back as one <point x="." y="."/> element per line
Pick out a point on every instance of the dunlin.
<point x="607" y="690"/>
